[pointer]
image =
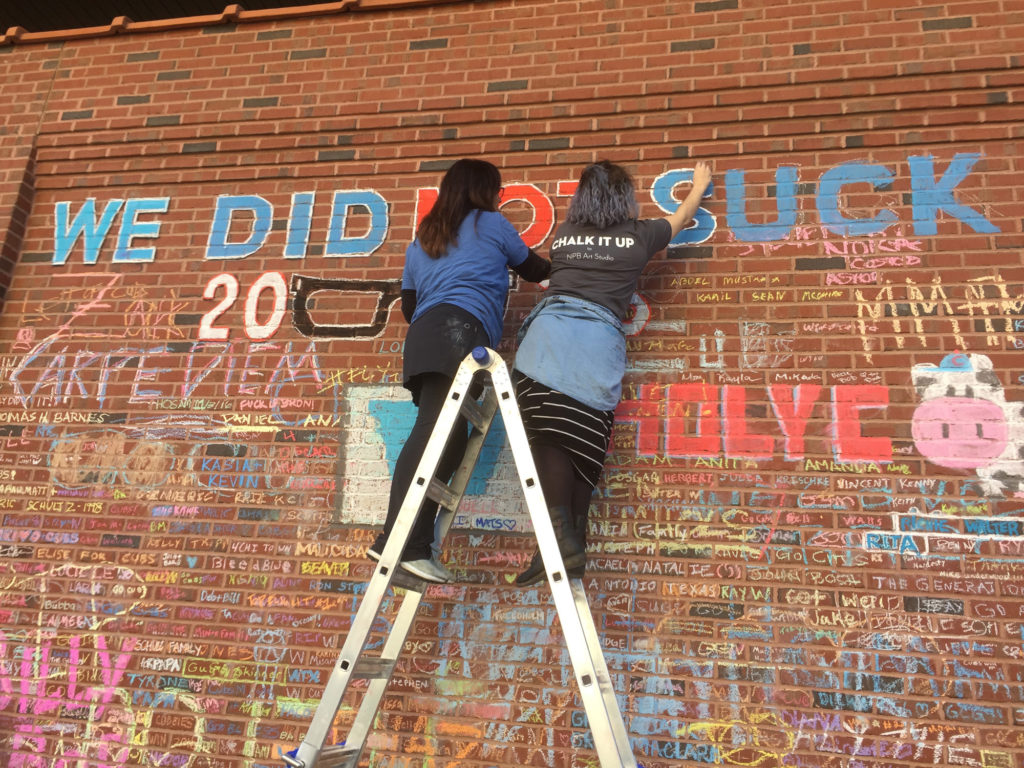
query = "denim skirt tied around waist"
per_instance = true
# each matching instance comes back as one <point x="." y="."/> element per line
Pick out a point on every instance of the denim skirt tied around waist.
<point x="576" y="347"/>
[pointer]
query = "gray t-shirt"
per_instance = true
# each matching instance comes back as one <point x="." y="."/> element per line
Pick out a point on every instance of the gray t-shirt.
<point x="603" y="265"/>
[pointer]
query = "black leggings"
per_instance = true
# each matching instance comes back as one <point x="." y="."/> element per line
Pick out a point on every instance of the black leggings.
<point x="433" y="392"/>
<point x="562" y="485"/>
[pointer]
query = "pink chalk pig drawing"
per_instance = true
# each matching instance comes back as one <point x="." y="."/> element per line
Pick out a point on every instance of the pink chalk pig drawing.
<point x="965" y="422"/>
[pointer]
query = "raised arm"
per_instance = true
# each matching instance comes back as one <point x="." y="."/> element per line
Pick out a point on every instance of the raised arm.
<point x="684" y="213"/>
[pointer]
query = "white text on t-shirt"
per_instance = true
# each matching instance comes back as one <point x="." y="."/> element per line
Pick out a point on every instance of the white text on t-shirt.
<point x="621" y="242"/>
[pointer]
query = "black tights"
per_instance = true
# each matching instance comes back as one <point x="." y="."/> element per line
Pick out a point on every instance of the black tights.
<point x="433" y="394"/>
<point x="562" y="486"/>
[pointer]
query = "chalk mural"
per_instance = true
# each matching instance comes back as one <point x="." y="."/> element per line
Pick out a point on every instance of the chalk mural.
<point x="792" y="562"/>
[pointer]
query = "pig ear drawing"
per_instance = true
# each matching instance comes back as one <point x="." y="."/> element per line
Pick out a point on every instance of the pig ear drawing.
<point x="302" y="287"/>
<point x="923" y="376"/>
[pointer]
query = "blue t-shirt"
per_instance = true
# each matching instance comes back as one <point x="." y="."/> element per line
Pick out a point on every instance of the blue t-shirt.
<point x="472" y="273"/>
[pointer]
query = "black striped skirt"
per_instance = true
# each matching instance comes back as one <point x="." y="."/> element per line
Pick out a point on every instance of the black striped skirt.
<point x="553" y="418"/>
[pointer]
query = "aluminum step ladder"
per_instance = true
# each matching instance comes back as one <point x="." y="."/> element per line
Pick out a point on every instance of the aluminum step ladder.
<point x="609" y="732"/>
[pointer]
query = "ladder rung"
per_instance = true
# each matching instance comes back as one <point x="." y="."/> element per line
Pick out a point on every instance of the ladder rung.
<point x="338" y="756"/>
<point x="442" y="494"/>
<point x="374" y="668"/>
<point x="475" y="413"/>
<point x="405" y="580"/>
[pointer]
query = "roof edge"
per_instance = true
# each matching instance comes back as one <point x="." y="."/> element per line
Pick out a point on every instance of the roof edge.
<point x="232" y="14"/>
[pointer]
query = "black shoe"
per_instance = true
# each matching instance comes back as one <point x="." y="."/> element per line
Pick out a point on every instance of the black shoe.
<point x="377" y="548"/>
<point x="535" y="571"/>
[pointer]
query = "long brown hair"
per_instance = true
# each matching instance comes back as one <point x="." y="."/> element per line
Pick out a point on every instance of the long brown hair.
<point x="468" y="185"/>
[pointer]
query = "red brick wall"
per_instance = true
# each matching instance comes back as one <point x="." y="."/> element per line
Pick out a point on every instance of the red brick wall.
<point x="28" y="78"/>
<point x="807" y="550"/>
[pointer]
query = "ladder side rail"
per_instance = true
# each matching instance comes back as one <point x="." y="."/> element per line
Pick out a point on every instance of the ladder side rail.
<point x="369" y="706"/>
<point x="341" y="675"/>
<point x="611" y="749"/>
<point x="429" y="462"/>
<point x="611" y="702"/>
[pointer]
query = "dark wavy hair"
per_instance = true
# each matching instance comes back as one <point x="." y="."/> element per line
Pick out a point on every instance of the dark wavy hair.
<point x="606" y="196"/>
<point x="467" y="186"/>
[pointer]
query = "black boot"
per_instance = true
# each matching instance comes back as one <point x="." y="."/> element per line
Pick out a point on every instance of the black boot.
<point x="534" y="572"/>
<point x="574" y="556"/>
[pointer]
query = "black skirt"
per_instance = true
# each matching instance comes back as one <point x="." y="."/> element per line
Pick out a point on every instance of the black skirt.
<point x="437" y="342"/>
<point x="553" y="418"/>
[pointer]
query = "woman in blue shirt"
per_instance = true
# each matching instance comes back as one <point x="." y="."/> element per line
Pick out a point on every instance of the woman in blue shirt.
<point x="454" y="289"/>
<point x="572" y="351"/>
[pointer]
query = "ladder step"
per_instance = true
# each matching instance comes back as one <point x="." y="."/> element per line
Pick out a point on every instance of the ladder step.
<point x="476" y="413"/>
<point x="338" y="756"/>
<point x="443" y="494"/>
<point x="405" y="580"/>
<point x="370" y="668"/>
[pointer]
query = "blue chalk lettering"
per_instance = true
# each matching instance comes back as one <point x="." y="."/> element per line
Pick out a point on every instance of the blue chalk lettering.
<point x="156" y="700"/>
<point x="704" y="222"/>
<point x="340" y="245"/>
<point x="230" y="481"/>
<point x="814" y="721"/>
<point x="653" y="726"/>
<point x="659" y="706"/>
<point x="154" y="611"/>
<point x="84" y="224"/>
<point x="827" y="201"/>
<point x="681" y="750"/>
<point x="132" y="228"/>
<point x="811" y="678"/>
<point x="891" y="542"/>
<point x="906" y="708"/>
<point x="992" y="526"/>
<point x="974" y="713"/>
<point x="858" y="681"/>
<point x="218" y="247"/>
<point x="929" y="197"/>
<point x="304" y="676"/>
<point x="736" y="206"/>
<point x="702" y="753"/>
<point x="748" y="633"/>
<point x="998" y="692"/>
<point x="849" y="702"/>
<point x="857" y="660"/>
<point x="299" y="225"/>
<point x="956" y="668"/>
<point x="927" y="524"/>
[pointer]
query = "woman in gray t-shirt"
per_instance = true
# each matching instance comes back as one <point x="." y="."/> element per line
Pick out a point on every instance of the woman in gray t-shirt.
<point x="572" y="350"/>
